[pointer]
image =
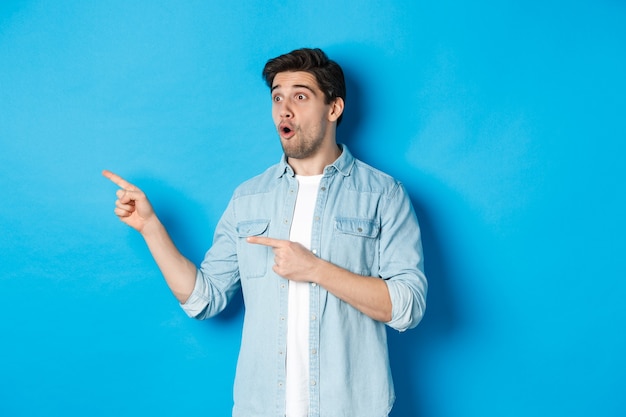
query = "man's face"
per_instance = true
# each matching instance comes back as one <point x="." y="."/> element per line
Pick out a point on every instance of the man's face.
<point x="301" y="116"/>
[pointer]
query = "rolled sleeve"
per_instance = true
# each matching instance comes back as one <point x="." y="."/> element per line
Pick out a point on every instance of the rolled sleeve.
<point x="217" y="279"/>
<point x="208" y="299"/>
<point x="402" y="264"/>
<point x="408" y="303"/>
<point x="198" y="301"/>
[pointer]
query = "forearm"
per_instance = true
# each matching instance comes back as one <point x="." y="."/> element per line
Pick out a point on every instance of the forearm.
<point x="369" y="295"/>
<point x="293" y="261"/>
<point x="178" y="271"/>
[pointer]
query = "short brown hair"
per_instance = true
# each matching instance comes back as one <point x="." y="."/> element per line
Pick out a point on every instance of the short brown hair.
<point x="327" y="73"/>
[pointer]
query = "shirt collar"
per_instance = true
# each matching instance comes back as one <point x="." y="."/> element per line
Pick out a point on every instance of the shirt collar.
<point x="343" y="164"/>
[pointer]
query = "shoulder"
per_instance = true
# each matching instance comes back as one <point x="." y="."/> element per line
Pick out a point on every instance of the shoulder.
<point x="261" y="183"/>
<point x="365" y="178"/>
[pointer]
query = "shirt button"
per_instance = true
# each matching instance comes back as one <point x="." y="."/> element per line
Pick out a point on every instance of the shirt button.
<point x="323" y="188"/>
<point x="313" y="284"/>
<point x="317" y="218"/>
<point x="313" y="382"/>
<point x="313" y="317"/>
<point x="314" y="251"/>
<point x="313" y="351"/>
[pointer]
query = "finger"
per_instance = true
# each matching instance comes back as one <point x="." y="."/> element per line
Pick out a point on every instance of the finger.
<point x="117" y="180"/>
<point x="128" y="197"/>
<point x="130" y="206"/>
<point x="267" y="241"/>
<point x="120" y="212"/>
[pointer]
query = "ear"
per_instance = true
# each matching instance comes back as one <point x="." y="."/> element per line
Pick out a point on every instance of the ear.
<point x="336" y="109"/>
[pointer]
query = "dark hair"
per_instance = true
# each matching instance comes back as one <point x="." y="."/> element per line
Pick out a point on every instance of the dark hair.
<point x="327" y="72"/>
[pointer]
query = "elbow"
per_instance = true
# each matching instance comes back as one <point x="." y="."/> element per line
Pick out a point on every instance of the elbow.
<point x="384" y="316"/>
<point x="408" y="307"/>
<point x="407" y="321"/>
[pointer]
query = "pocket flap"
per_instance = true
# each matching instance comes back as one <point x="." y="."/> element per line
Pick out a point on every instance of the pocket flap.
<point x="252" y="227"/>
<point x="357" y="227"/>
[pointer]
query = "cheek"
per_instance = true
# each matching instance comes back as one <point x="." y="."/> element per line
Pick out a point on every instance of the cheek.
<point x="275" y="115"/>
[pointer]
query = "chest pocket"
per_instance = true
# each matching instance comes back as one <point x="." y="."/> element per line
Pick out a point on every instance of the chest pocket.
<point x="357" y="227"/>
<point x="252" y="258"/>
<point x="354" y="244"/>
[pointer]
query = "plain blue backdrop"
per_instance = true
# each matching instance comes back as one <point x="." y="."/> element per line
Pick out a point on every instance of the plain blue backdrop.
<point x="505" y="121"/>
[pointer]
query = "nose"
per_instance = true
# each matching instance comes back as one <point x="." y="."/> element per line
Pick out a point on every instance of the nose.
<point x="285" y="111"/>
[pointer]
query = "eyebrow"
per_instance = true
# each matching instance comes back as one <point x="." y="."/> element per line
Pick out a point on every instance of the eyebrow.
<point x="297" y="86"/>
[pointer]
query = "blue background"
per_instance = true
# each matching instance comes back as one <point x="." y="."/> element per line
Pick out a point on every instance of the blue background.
<point x="505" y="120"/>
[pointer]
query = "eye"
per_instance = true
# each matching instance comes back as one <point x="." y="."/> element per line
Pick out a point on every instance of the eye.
<point x="277" y="98"/>
<point x="301" y="96"/>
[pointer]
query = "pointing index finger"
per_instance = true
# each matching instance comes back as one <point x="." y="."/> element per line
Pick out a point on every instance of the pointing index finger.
<point x="266" y="241"/>
<point x="117" y="180"/>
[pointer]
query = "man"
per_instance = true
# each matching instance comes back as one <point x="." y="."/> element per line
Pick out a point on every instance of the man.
<point x="325" y="248"/>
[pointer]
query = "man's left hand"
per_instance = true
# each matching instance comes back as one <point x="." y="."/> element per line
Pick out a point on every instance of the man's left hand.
<point x="291" y="260"/>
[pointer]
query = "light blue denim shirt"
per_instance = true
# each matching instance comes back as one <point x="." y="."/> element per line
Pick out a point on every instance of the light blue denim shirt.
<point x="363" y="222"/>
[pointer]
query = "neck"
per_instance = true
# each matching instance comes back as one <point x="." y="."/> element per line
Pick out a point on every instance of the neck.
<point x="315" y="164"/>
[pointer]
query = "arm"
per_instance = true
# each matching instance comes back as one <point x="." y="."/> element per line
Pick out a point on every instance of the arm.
<point x="402" y="262"/>
<point x="399" y="299"/>
<point x="133" y="208"/>
<point x="369" y="295"/>
<point x="294" y="262"/>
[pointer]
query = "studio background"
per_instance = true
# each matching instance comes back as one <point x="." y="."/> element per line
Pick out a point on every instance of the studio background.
<point x="505" y="121"/>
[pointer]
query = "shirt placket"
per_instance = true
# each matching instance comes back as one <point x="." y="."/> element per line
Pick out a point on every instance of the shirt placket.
<point x="314" y="304"/>
<point x="285" y="219"/>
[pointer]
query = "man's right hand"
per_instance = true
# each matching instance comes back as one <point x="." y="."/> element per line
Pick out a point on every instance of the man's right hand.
<point x="132" y="206"/>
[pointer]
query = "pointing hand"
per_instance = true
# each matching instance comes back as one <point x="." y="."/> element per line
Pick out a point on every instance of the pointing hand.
<point x="291" y="260"/>
<point x="132" y="206"/>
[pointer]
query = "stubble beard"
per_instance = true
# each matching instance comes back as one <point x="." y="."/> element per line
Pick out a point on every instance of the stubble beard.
<point x="302" y="146"/>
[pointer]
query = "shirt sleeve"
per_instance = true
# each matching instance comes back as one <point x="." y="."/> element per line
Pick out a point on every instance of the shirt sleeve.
<point x="217" y="279"/>
<point x="197" y="302"/>
<point x="401" y="261"/>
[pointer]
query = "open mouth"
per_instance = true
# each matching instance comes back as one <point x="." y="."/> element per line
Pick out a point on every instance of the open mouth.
<point x="286" y="130"/>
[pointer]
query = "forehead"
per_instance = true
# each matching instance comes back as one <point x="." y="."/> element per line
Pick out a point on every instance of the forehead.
<point x="294" y="79"/>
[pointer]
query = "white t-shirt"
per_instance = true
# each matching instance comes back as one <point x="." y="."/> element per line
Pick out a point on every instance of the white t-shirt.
<point x="297" y="379"/>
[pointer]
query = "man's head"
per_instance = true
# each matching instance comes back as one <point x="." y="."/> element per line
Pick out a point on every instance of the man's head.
<point x="327" y="73"/>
